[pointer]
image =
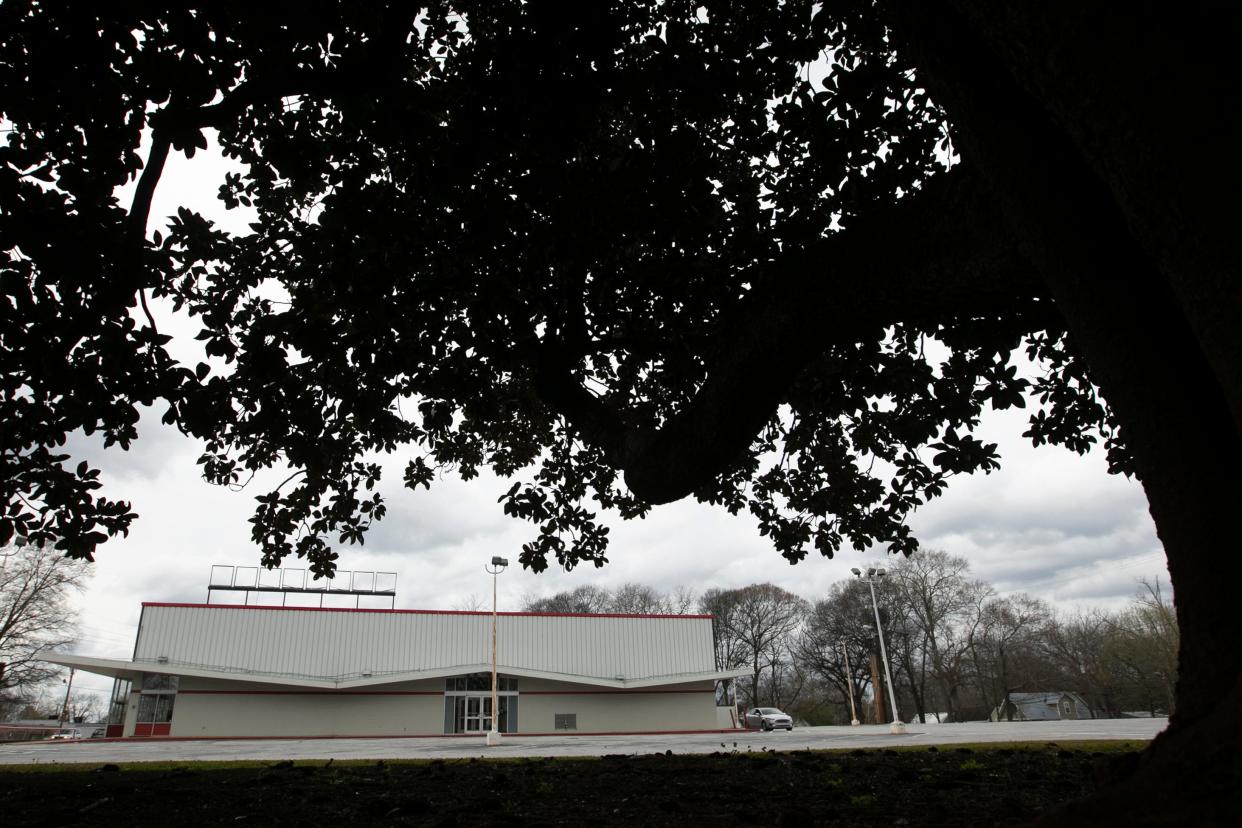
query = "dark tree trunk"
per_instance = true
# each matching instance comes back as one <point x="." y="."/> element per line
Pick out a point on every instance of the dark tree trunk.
<point x="916" y="692"/>
<point x="877" y="691"/>
<point x="1109" y="181"/>
<point x="1004" y="677"/>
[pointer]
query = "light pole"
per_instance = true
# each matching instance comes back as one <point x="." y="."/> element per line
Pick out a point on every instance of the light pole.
<point x="870" y="578"/>
<point x="849" y="680"/>
<point x="495" y="568"/>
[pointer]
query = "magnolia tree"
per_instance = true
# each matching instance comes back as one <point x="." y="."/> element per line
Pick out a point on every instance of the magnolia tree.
<point x="640" y="252"/>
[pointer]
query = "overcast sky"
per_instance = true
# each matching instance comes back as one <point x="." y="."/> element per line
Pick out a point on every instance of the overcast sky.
<point x="1049" y="523"/>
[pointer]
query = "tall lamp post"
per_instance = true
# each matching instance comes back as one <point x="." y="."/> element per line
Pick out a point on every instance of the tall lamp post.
<point x="494" y="568"/>
<point x="870" y="578"/>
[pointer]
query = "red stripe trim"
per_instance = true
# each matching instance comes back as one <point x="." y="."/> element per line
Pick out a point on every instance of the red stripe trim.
<point x="311" y="693"/>
<point x="421" y="692"/>
<point x="420" y="611"/>
<point x="602" y="692"/>
<point x="558" y="733"/>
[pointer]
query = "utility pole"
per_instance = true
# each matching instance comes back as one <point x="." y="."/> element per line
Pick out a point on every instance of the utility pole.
<point x="64" y="708"/>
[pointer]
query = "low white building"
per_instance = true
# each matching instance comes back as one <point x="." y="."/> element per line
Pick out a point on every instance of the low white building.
<point x="1042" y="707"/>
<point x="204" y="670"/>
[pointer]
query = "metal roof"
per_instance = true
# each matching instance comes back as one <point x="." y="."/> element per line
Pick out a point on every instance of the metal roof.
<point x="358" y="648"/>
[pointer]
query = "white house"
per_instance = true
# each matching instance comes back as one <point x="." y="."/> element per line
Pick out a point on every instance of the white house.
<point x="203" y="670"/>
<point x="1046" y="706"/>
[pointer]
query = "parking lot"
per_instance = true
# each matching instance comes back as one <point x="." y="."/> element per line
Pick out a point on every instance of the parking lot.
<point x="453" y="747"/>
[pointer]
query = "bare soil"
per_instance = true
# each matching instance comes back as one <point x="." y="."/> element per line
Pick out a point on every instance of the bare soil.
<point x="978" y="785"/>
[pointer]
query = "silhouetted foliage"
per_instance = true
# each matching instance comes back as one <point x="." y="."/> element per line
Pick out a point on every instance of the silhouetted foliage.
<point x="636" y="252"/>
<point x="461" y="232"/>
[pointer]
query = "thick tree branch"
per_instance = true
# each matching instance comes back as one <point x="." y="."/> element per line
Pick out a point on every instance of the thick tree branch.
<point x="140" y="208"/>
<point x="1154" y="132"/>
<point x="938" y="256"/>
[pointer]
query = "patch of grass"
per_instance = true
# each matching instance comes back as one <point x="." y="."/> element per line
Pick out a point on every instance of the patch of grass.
<point x="854" y="787"/>
<point x="235" y="764"/>
<point x="1090" y="746"/>
<point x="1101" y="746"/>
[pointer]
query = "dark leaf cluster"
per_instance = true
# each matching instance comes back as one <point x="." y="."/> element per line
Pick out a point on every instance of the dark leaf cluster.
<point x="475" y="221"/>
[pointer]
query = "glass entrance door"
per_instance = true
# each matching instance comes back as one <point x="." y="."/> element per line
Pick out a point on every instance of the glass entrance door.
<point x="468" y="704"/>
<point x="478" y="714"/>
<point x="473" y="713"/>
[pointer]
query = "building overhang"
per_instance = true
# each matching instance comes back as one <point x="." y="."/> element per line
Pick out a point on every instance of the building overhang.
<point x="120" y="668"/>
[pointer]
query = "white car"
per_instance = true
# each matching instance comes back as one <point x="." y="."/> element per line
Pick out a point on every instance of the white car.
<point x="768" y="718"/>
<point x="67" y="734"/>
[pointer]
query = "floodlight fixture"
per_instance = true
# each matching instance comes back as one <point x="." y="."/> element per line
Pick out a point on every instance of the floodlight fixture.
<point x="493" y="734"/>
<point x="897" y="726"/>
<point x="855" y="571"/>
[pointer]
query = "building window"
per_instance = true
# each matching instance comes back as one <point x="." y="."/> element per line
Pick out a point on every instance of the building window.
<point x="159" y="683"/>
<point x="468" y="703"/>
<point x="155" y="705"/>
<point x="565" y="721"/>
<point x="476" y="682"/>
<point x="119" y="702"/>
<point x="473" y="714"/>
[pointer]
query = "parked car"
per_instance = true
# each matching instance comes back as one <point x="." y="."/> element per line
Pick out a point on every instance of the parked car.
<point x="768" y="718"/>
<point x="67" y="733"/>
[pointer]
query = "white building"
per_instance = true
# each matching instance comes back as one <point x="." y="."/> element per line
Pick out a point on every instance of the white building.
<point x="1048" y="706"/>
<point x="202" y="670"/>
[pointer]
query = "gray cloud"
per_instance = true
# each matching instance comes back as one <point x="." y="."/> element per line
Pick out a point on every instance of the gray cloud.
<point x="157" y="447"/>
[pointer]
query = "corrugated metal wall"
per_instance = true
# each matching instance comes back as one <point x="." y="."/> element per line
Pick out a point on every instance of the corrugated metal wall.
<point x="343" y="644"/>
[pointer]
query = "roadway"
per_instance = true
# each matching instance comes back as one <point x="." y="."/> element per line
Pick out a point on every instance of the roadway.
<point x="457" y="747"/>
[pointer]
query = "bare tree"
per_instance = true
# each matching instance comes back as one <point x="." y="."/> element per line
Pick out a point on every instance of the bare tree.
<point x="755" y="625"/>
<point x="85" y="706"/>
<point x="638" y="599"/>
<point x="472" y="603"/>
<point x="586" y="598"/>
<point x="1141" y="649"/>
<point x="840" y="624"/>
<point x="629" y="598"/>
<point x="721" y="604"/>
<point x="1008" y="632"/>
<point x="944" y="605"/>
<point x="47" y="701"/>
<point x="1157" y="616"/>
<point x="35" y="614"/>
<point x="1076" y="644"/>
<point x="681" y="601"/>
